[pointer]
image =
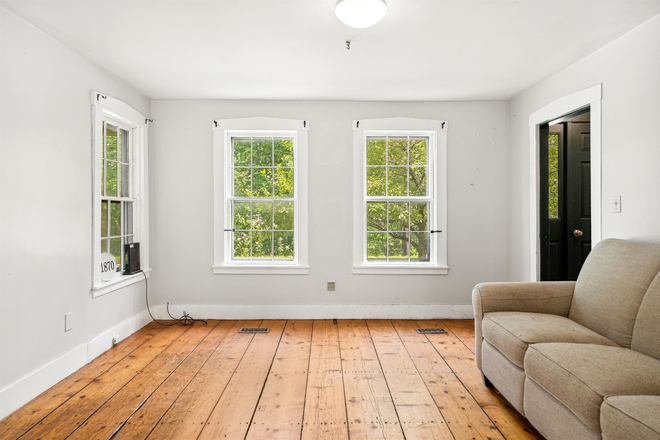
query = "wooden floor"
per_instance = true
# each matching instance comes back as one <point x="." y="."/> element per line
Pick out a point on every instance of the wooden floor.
<point x="375" y="379"/>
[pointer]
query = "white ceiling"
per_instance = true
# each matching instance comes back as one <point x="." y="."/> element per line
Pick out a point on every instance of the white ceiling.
<point x="423" y="50"/>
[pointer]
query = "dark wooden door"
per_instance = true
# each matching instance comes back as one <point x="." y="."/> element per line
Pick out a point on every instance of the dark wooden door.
<point x="565" y="198"/>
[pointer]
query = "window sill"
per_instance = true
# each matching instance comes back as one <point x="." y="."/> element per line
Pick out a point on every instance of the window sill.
<point x="118" y="282"/>
<point x="260" y="270"/>
<point x="400" y="270"/>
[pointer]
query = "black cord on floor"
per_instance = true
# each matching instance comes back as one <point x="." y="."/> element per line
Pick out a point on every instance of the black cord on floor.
<point x="186" y="319"/>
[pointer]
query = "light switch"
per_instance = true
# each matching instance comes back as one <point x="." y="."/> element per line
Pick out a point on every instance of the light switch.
<point x="616" y="204"/>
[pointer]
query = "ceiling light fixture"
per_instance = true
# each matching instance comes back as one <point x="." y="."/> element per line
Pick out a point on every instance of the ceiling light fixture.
<point x="360" y="13"/>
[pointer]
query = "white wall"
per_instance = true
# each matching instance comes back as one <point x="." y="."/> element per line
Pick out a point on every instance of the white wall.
<point x="629" y="70"/>
<point x="182" y="212"/>
<point x="45" y="212"/>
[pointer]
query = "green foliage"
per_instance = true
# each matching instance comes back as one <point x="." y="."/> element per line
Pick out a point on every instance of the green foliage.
<point x="553" y="176"/>
<point x="263" y="169"/>
<point x="397" y="230"/>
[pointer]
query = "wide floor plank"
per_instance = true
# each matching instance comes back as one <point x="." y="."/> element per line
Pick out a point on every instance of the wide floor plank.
<point x="280" y="411"/>
<point x="371" y="412"/>
<point x="418" y="414"/>
<point x="325" y="407"/>
<point x="187" y="416"/>
<point x="142" y="421"/>
<point x="67" y="417"/>
<point x="323" y="379"/>
<point x="233" y="414"/>
<point x="463" y="414"/>
<point x="461" y="360"/>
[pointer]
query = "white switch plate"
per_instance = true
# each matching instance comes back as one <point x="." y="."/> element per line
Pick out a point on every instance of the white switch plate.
<point x="616" y="204"/>
<point x="68" y="321"/>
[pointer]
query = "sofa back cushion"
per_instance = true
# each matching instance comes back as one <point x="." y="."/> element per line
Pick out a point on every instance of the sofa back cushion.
<point x="646" y="335"/>
<point x="611" y="285"/>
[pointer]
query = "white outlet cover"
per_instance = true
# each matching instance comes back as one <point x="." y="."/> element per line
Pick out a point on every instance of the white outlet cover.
<point x="68" y="321"/>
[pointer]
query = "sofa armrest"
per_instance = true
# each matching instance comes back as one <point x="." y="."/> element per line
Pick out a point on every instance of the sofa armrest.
<point x="551" y="297"/>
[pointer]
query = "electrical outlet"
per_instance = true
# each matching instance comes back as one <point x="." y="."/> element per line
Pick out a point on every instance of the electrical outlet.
<point x="68" y="321"/>
<point x="115" y="340"/>
<point x="331" y="285"/>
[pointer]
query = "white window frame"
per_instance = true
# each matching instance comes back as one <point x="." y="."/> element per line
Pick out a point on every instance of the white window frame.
<point x="107" y="108"/>
<point x="437" y="132"/>
<point x="223" y="131"/>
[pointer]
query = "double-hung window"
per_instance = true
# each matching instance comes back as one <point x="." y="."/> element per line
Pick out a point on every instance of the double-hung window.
<point x="261" y="224"/>
<point x="400" y="196"/>
<point x="120" y="212"/>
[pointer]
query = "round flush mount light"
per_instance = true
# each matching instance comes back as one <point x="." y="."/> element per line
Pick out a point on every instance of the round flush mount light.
<point x="360" y="13"/>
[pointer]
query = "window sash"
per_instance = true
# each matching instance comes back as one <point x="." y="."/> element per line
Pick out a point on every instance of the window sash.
<point x="231" y="199"/>
<point x="429" y="198"/>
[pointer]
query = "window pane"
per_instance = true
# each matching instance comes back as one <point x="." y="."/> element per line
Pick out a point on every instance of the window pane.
<point x="284" y="152"/>
<point x="397" y="151"/>
<point x="376" y="216"/>
<point x="262" y="244"/>
<point x="283" y="182"/>
<point x="104" y="219"/>
<point x="262" y="182"/>
<point x="105" y="245"/>
<point x="418" y="151"/>
<point x="115" y="219"/>
<point x="553" y="176"/>
<point x="242" y="242"/>
<point x="103" y="190"/>
<point x="376" y="181"/>
<point x="128" y="218"/>
<point x="111" y="179"/>
<point x="242" y="152"/>
<point x="376" y="148"/>
<point x="262" y="152"/>
<point x="125" y="181"/>
<point x="262" y="216"/>
<point x="242" y="214"/>
<point x="111" y="141"/>
<point x="397" y="247"/>
<point x="123" y="134"/>
<point x="417" y="181"/>
<point x="419" y="246"/>
<point x="376" y="246"/>
<point x="398" y="216"/>
<point x="283" y="245"/>
<point x="115" y="250"/>
<point x="397" y="181"/>
<point x="242" y="182"/>
<point x="419" y="217"/>
<point x="283" y="216"/>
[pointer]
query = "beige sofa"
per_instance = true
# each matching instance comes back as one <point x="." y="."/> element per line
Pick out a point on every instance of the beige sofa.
<point x="580" y="360"/>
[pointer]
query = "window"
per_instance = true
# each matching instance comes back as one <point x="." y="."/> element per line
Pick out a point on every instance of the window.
<point x="261" y="175"/>
<point x="120" y="214"/>
<point x="400" y="196"/>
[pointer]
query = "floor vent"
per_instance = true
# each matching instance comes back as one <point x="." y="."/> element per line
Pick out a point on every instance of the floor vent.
<point x="431" y="330"/>
<point x="254" y="330"/>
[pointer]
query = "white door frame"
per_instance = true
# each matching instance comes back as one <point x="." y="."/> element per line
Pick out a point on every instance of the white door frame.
<point x="588" y="97"/>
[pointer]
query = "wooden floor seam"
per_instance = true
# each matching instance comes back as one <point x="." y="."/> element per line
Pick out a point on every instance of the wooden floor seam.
<point x="305" y="379"/>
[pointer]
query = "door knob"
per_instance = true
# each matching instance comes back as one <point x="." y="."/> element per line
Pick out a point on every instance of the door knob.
<point x="577" y="233"/>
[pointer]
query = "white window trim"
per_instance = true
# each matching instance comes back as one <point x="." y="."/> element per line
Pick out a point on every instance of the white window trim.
<point x="105" y="106"/>
<point x="223" y="130"/>
<point x="438" y="264"/>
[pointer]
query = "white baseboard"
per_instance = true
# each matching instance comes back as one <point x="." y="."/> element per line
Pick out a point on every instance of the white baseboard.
<point x="320" y="311"/>
<point x="30" y="386"/>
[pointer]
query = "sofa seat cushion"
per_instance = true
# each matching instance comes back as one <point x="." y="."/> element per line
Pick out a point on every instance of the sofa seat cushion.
<point x="631" y="417"/>
<point x="512" y="332"/>
<point x="581" y="375"/>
